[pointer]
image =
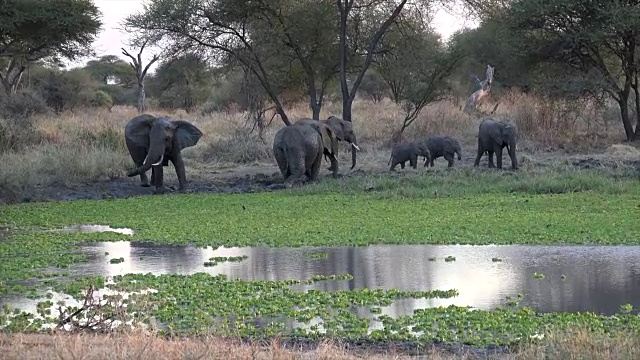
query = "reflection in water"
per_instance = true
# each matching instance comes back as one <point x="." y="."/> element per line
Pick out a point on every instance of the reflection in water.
<point x="96" y="228"/>
<point x="597" y="279"/>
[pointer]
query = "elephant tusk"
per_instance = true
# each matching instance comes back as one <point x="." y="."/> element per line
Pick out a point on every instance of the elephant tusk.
<point x="159" y="162"/>
<point x="355" y="146"/>
<point x="145" y="159"/>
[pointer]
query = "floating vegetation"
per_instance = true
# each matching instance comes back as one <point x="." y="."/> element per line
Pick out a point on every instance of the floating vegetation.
<point x="563" y="276"/>
<point x="206" y="304"/>
<point x="116" y="260"/>
<point x="213" y="261"/>
<point x="450" y="258"/>
<point x="495" y="259"/>
<point x="626" y="308"/>
<point x="432" y="259"/>
<point x="538" y="275"/>
<point x="317" y="255"/>
<point x="317" y="278"/>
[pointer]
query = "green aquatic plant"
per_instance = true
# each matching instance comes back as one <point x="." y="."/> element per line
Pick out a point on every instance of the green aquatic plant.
<point x="213" y="261"/>
<point x="495" y="259"/>
<point x="201" y="304"/>
<point x="450" y="258"/>
<point x="626" y="308"/>
<point x="538" y="275"/>
<point x="116" y="260"/>
<point x="317" y="255"/>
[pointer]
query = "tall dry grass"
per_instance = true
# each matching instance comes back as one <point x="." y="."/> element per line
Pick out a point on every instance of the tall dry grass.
<point x="88" y="145"/>
<point x="572" y="344"/>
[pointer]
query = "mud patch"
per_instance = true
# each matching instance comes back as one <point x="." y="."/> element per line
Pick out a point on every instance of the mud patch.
<point x="259" y="177"/>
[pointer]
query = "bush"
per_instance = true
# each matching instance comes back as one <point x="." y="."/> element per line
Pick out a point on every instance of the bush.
<point x="101" y="99"/>
<point x="373" y="87"/>
<point x="22" y="105"/>
<point x="16" y="134"/>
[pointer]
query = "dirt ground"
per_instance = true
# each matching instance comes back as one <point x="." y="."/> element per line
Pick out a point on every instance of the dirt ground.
<point x="265" y="176"/>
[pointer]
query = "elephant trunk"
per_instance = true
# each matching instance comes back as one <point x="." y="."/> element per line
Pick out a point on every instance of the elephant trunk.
<point x="154" y="158"/>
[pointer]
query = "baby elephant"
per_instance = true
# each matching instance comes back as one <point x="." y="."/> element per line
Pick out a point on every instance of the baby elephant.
<point x="444" y="146"/>
<point x="408" y="152"/>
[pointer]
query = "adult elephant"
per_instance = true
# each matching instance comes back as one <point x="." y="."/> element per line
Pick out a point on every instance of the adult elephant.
<point x="344" y="132"/>
<point x="493" y="136"/>
<point x="153" y="142"/>
<point x="298" y="149"/>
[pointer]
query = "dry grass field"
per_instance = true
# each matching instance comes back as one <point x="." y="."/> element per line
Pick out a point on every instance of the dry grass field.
<point x="576" y="344"/>
<point x="64" y="156"/>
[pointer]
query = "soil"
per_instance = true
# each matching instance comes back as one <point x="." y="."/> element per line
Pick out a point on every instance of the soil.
<point x="248" y="178"/>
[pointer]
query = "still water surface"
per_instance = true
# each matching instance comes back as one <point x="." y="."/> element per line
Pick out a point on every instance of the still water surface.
<point x="576" y="278"/>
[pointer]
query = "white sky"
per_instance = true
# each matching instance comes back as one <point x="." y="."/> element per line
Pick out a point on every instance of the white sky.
<point x="110" y="40"/>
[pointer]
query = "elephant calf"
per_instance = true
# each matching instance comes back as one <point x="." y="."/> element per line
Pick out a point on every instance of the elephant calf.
<point x="444" y="146"/>
<point x="493" y="136"/>
<point x="298" y="149"/>
<point x="401" y="153"/>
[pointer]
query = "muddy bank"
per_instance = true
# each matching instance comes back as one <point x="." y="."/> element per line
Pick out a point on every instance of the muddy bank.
<point x="266" y="177"/>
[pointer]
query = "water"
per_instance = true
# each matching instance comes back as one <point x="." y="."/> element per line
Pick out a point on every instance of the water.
<point x="576" y="278"/>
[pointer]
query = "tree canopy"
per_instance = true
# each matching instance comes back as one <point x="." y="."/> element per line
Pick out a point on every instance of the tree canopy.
<point x="31" y="30"/>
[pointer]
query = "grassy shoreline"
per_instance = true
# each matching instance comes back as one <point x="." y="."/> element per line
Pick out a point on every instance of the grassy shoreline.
<point x="447" y="207"/>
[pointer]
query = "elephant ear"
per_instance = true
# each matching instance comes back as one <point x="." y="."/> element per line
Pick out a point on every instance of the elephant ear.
<point x="338" y="126"/>
<point x="138" y="128"/>
<point x="329" y="139"/>
<point x="186" y="133"/>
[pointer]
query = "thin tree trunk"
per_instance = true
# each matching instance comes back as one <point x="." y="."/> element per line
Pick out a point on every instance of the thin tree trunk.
<point x="142" y="106"/>
<point x="636" y="92"/>
<point x="624" y="113"/>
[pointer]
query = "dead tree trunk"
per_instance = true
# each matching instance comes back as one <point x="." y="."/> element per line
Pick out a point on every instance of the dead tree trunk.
<point x="141" y="73"/>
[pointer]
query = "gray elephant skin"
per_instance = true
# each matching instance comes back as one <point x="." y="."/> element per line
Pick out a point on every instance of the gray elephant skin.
<point x="299" y="148"/>
<point x="443" y="146"/>
<point x="493" y="136"/>
<point x="153" y="142"/>
<point x="343" y="131"/>
<point x="401" y="153"/>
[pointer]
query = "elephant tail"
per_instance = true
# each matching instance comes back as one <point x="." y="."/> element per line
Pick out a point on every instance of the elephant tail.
<point x="390" y="157"/>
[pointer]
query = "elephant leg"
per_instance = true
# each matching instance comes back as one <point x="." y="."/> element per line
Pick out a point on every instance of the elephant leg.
<point x="282" y="164"/>
<point x="296" y="165"/>
<point x="178" y="164"/>
<point x="402" y="165"/>
<point x="334" y="165"/>
<point x="449" y="158"/>
<point x="158" y="177"/>
<point x="426" y="162"/>
<point x="393" y="165"/>
<point x="315" y="169"/>
<point x="490" y="155"/>
<point x="512" y="155"/>
<point x="499" y="156"/>
<point x="413" y="161"/>
<point x="478" y="156"/>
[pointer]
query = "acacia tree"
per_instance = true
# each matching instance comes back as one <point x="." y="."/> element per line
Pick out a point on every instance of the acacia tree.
<point x="183" y="81"/>
<point x="305" y="31"/>
<point x="31" y="30"/>
<point x="417" y="69"/>
<point x="599" y="39"/>
<point x="380" y="14"/>
<point x="221" y="29"/>
<point x="110" y="69"/>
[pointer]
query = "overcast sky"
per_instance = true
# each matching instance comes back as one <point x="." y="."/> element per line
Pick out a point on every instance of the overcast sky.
<point x="111" y="40"/>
